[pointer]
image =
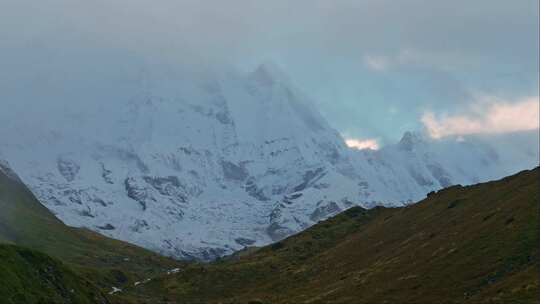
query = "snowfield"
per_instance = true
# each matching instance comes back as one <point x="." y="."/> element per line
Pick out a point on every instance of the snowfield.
<point x="199" y="167"/>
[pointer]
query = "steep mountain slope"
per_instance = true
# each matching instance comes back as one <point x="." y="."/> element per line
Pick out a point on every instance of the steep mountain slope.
<point x="200" y="164"/>
<point x="474" y="244"/>
<point x="28" y="276"/>
<point x="25" y="222"/>
<point x="186" y="172"/>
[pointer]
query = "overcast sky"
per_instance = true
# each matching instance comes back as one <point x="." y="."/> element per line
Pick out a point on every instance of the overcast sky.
<point x="375" y="68"/>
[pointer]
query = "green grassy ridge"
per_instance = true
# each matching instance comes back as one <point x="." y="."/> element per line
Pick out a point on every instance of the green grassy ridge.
<point x="474" y="244"/>
<point x="28" y="276"/>
<point x="107" y="262"/>
<point x="224" y="279"/>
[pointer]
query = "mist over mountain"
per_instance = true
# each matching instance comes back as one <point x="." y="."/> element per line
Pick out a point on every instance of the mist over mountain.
<point x="198" y="162"/>
<point x="372" y="67"/>
<point x="256" y="152"/>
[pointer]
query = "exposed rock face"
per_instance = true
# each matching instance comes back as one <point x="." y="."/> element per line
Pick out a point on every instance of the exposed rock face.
<point x="137" y="192"/>
<point x="325" y="211"/>
<point x="199" y="167"/>
<point x="244" y="241"/>
<point x="234" y="172"/>
<point x="106" y="174"/>
<point x="68" y="168"/>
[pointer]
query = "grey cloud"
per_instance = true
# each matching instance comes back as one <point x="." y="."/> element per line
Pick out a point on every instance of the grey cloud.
<point x="457" y="47"/>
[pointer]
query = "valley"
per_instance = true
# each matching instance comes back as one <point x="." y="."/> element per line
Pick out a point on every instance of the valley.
<point x="462" y="244"/>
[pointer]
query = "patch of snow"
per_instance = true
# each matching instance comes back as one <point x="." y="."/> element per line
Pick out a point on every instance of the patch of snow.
<point x="173" y="271"/>
<point x="115" y="290"/>
<point x="198" y="166"/>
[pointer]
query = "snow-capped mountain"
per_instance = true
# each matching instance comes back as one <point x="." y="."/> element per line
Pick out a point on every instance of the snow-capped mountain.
<point x="201" y="166"/>
<point x="418" y="164"/>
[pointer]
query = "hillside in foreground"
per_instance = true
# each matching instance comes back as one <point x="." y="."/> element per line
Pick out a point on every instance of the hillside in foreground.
<point x="101" y="261"/>
<point x="28" y="276"/>
<point x="475" y="244"/>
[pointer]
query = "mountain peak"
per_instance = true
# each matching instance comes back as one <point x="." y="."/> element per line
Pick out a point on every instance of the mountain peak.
<point x="411" y="140"/>
<point x="268" y="74"/>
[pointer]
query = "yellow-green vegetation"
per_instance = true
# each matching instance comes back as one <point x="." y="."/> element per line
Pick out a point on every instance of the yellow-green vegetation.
<point x="475" y="244"/>
<point x="28" y="276"/>
<point x="105" y="262"/>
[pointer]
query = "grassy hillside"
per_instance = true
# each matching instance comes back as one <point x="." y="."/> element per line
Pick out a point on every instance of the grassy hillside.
<point x="107" y="262"/>
<point x="29" y="276"/>
<point x="476" y="244"/>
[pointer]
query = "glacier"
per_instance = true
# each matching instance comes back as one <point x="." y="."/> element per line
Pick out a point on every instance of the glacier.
<point x="197" y="166"/>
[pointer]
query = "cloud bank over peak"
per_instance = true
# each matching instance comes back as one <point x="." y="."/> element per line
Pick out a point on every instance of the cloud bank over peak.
<point x="487" y="116"/>
<point x="378" y="62"/>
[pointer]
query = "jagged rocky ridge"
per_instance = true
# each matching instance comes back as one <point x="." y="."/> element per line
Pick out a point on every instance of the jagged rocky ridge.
<point x="198" y="167"/>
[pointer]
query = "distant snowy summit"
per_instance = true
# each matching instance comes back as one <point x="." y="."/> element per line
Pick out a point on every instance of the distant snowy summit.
<point x="198" y="167"/>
